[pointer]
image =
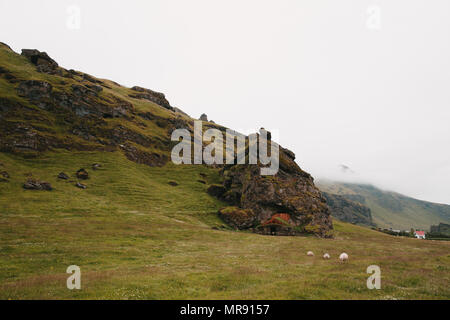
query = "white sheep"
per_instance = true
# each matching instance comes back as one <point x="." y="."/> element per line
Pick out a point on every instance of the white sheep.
<point x="343" y="257"/>
<point x="310" y="254"/>
<point x="326" y="256"/>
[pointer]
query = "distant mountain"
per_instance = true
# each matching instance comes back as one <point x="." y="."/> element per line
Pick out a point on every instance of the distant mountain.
<point x="348" y="210"/>
<point x="390" y="209"/>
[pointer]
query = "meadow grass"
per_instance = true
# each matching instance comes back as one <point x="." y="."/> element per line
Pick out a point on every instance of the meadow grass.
<point x="134" y="236"/>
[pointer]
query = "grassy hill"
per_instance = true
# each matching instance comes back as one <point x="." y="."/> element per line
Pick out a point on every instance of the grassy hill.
<point x="147" y="229"/>
<point x="390" y="209"/>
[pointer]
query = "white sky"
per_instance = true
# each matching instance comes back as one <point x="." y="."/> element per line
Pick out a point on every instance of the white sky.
<point x="341" y="84"/>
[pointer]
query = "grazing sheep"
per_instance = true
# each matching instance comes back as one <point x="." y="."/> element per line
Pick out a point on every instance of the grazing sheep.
<point x="343" y="257"/>
<point x="326" y="256"/>
<point x="310" y="254"/>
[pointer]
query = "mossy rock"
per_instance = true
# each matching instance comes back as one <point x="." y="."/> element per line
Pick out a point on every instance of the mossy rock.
<point x="238" y="218"/>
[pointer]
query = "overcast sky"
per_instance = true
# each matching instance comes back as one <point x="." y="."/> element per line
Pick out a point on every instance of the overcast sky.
<point x="355" y="82"/>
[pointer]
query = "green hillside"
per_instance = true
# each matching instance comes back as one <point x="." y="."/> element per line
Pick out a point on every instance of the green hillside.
<point x="390" y="209"/>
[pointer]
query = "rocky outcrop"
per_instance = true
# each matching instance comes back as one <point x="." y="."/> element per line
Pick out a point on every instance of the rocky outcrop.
<point x="348" y="211"/>
<point x="41" y="60"/>
<point x="82" y="174"/>
<point x="204" y="117"/>
<point x="291" y="191"/>
<point x="153" y="96"/>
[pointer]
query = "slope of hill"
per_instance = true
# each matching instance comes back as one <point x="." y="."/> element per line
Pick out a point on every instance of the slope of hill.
<point x="145" y="228"/>
<point x="390" y="209"/>
<point x="44" y="107"/>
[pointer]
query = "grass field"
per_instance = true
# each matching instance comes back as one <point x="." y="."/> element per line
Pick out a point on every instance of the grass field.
<point x="136" y="237"/>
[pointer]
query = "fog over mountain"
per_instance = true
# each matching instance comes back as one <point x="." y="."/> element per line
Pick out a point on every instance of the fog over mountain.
<point x="363" y="84"/>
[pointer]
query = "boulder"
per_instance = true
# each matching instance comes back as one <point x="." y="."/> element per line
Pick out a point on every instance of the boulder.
<point x="80" y="185"/>
<point x="291" y="192"/>
<point x="204" y="117"/>
<point x="96" y="166"/>
<point x="82" y="174"/>
<point x="173" y="183"/>
<point x="34" y="90"/>
<point x="34" y="184"/>
<point x="41" y="59"/>
<point x="238" y="218"/>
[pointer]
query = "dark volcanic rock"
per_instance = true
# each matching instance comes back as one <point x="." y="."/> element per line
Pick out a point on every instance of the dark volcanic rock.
<point x="291" y="191"/>
<point x="153" y="96"/>
<point x="173" y="183"/>
<point x="35" y="90"/>
<point x="238" y="218"/>
<point x="33" y="184"/>
<point x="204" y="117"/>
<point x="41" y="59"/>
<point x="82" y="174"/>
<point x="63" y="176"/>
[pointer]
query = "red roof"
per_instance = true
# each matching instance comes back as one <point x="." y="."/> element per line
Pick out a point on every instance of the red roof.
<point x="420" y="233"/>
<point x="275" y="218"/>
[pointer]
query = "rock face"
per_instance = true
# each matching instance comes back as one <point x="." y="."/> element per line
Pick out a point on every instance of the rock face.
<point x="290" y="192"/>
<point x="238" y="218"/>
<point x="153" y="96"/>
<point x="41" y="59"/>
<point x="441" y="229"/>
<point x="73" y="111"/>
<point x="348" y="211"/>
